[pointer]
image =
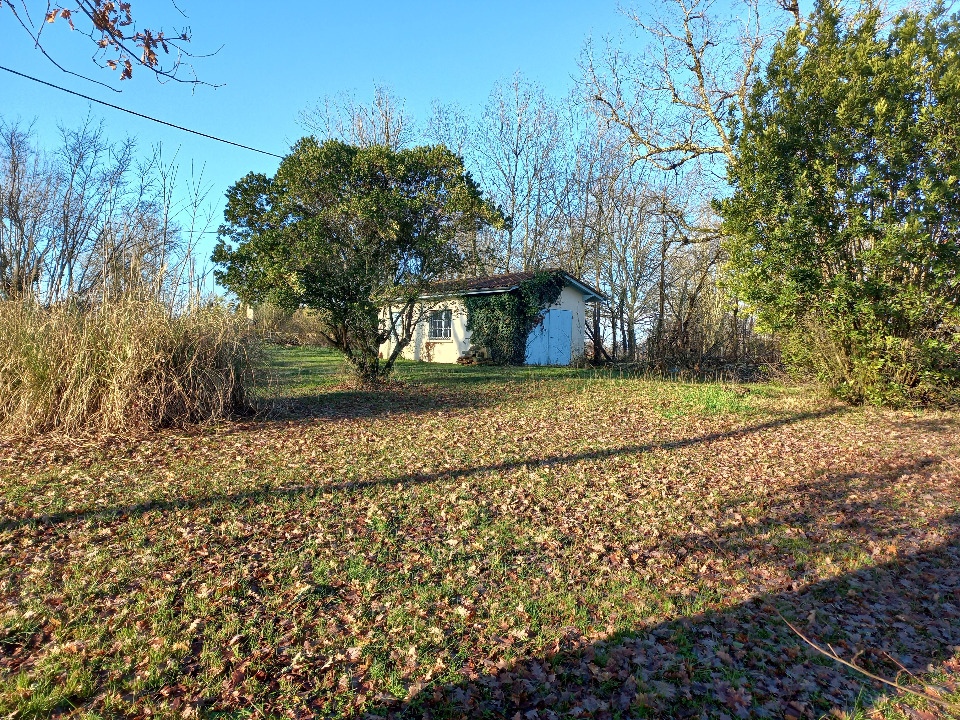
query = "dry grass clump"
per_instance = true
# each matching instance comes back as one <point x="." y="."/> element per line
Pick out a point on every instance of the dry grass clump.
<point x="117" y="366"/>
<point x="286" y="327"/>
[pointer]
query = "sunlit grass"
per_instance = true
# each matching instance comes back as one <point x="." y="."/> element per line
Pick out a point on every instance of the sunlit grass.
<point x="354" y="551"/>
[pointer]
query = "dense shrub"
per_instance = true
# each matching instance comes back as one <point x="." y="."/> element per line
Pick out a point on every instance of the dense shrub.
<point x="860" y="362"/>
<point x="844" y="224"/>
<point x="118" y="366"/>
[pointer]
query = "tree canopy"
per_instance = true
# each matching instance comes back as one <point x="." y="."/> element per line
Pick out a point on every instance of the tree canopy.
<point x="349" y="231"/>
<point x="845" y="217"/>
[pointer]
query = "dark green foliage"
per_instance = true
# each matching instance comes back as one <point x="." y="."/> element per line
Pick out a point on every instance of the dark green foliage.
<point x="346" y="231"/>
<point x="845" y="218"/>
<point x="502" y="322"/>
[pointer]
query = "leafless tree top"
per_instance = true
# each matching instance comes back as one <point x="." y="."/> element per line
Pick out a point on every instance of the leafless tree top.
<point x="676" y="99"/>
<point x="383" y="122"/>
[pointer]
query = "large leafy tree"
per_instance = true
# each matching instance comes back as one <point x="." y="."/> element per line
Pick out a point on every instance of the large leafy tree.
<point x="844" y="223"/>
<point x="348" y="232"/>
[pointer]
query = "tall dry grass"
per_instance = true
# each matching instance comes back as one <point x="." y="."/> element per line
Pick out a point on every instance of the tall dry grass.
<point x="119" y="366"/>
<point x="286" y="327"/>
<point x="103" y="322"/>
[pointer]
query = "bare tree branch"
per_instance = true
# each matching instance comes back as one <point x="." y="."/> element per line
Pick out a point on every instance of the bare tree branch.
<point x="385" y="121"/>
<point x="953" y="707"/>
<point x="675" y="101"/>
<point x="119" y="43"/>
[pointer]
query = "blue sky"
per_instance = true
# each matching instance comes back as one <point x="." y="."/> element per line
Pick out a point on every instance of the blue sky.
<point x="279" y="59"/>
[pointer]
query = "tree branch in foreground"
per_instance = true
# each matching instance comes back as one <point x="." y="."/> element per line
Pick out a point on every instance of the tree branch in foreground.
<point x="953" y="707"/>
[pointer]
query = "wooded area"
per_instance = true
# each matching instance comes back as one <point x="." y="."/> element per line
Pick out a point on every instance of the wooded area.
<point x="599" y="184"/>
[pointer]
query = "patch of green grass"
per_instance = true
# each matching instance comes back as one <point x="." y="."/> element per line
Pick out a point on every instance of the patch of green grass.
<point x="466" y="533"/>
<point x="707" y="399"/>
<point x="292" y="369"/>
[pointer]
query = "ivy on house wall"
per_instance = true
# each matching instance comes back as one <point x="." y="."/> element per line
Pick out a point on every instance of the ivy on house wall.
<point x="502" y="322"/>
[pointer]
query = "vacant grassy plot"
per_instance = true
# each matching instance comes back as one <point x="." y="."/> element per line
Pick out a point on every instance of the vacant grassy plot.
<point x="486" y="542"/>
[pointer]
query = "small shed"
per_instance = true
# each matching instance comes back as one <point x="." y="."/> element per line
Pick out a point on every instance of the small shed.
<point x="442" y="335"/>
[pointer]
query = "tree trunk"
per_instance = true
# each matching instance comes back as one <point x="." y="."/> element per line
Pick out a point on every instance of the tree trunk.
<point x="736" y="332"/>
<point x="613" y="333"/>
<point x="661" y="299"/>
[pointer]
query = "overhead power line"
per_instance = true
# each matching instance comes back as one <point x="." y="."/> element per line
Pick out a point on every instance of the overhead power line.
<point x="141" y="115"/>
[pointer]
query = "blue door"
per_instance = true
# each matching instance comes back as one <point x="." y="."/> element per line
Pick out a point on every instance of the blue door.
<point x="538" y="348"/>
<point x="549" y="342"/>
<point x="561" y="325"/>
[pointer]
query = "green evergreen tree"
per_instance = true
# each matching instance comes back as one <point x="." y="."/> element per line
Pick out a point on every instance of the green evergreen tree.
<point x="347" y="231"/>
<point x="844" y="222"/>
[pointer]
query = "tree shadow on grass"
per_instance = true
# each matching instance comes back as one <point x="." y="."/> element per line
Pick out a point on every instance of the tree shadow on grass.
<point x="814" y="508"/>
<point x="898" y="617"/>
<point x="267" y="491"/>
<point x="736" y="660"/>
<point x="938" y="424"/>
<point x="416" y="387"/>
<point x="345" y="402"/>
<point x="743" y="661"/>
<point x="480" y="375"/>
<point x="419" y="388"/>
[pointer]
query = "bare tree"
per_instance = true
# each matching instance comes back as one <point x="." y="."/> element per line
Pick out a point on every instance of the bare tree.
<point x="675" y="101"/>
<point x="450" y="126"/>
<point x="27" y="202"/>
<point x="87" y="221"/>
<point x="577" y="243"/>
<point x="385" y="121"/>
<point x="519" y="152"/>
<point x="631" y="253"/>
<point x="673" y="108"/>
<point x="93" y="175"/>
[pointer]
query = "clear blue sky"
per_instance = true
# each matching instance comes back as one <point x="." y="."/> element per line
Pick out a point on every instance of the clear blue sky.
<point x="280" y="58"/>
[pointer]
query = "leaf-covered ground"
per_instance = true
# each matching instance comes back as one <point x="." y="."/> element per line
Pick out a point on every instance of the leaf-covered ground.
<point x="482" y="542"/>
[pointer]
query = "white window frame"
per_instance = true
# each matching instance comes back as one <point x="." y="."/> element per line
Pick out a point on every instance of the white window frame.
<point x="440" y="325"/>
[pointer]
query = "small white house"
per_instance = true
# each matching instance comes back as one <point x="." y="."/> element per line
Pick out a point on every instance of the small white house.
<point x="443" y="337"/>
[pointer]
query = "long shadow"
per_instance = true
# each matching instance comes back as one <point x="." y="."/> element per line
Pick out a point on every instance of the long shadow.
<point x="932" y="424"/>
<point x="896" y="617"/>
<point x="408" y="479"/>
<point x="830" y="503"/>
<point x="339" y="404"/>
<point x="420" y="388"/>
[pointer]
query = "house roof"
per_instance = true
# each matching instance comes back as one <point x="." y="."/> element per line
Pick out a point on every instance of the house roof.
<point x="506" y="283"/>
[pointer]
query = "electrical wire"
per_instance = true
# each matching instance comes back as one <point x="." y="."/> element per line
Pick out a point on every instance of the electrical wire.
<point x="141" y="115"/>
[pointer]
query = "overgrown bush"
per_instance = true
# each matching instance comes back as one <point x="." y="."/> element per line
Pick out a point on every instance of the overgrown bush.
<point x="117" y="366"/>
<point x="843" y="230"/>
<point x="862" y="363"/>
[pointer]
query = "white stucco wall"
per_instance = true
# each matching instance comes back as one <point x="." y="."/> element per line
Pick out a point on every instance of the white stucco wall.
<point x="442" y="351"/>
<point x="447" y="351"/>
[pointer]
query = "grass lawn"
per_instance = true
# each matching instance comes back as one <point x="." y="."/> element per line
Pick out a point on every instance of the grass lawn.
<point x="486" y="542"/>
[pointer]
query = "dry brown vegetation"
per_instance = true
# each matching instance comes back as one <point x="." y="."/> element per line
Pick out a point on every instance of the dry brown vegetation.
<point x="105" y="323"/>
<point x="117" y="366"/>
